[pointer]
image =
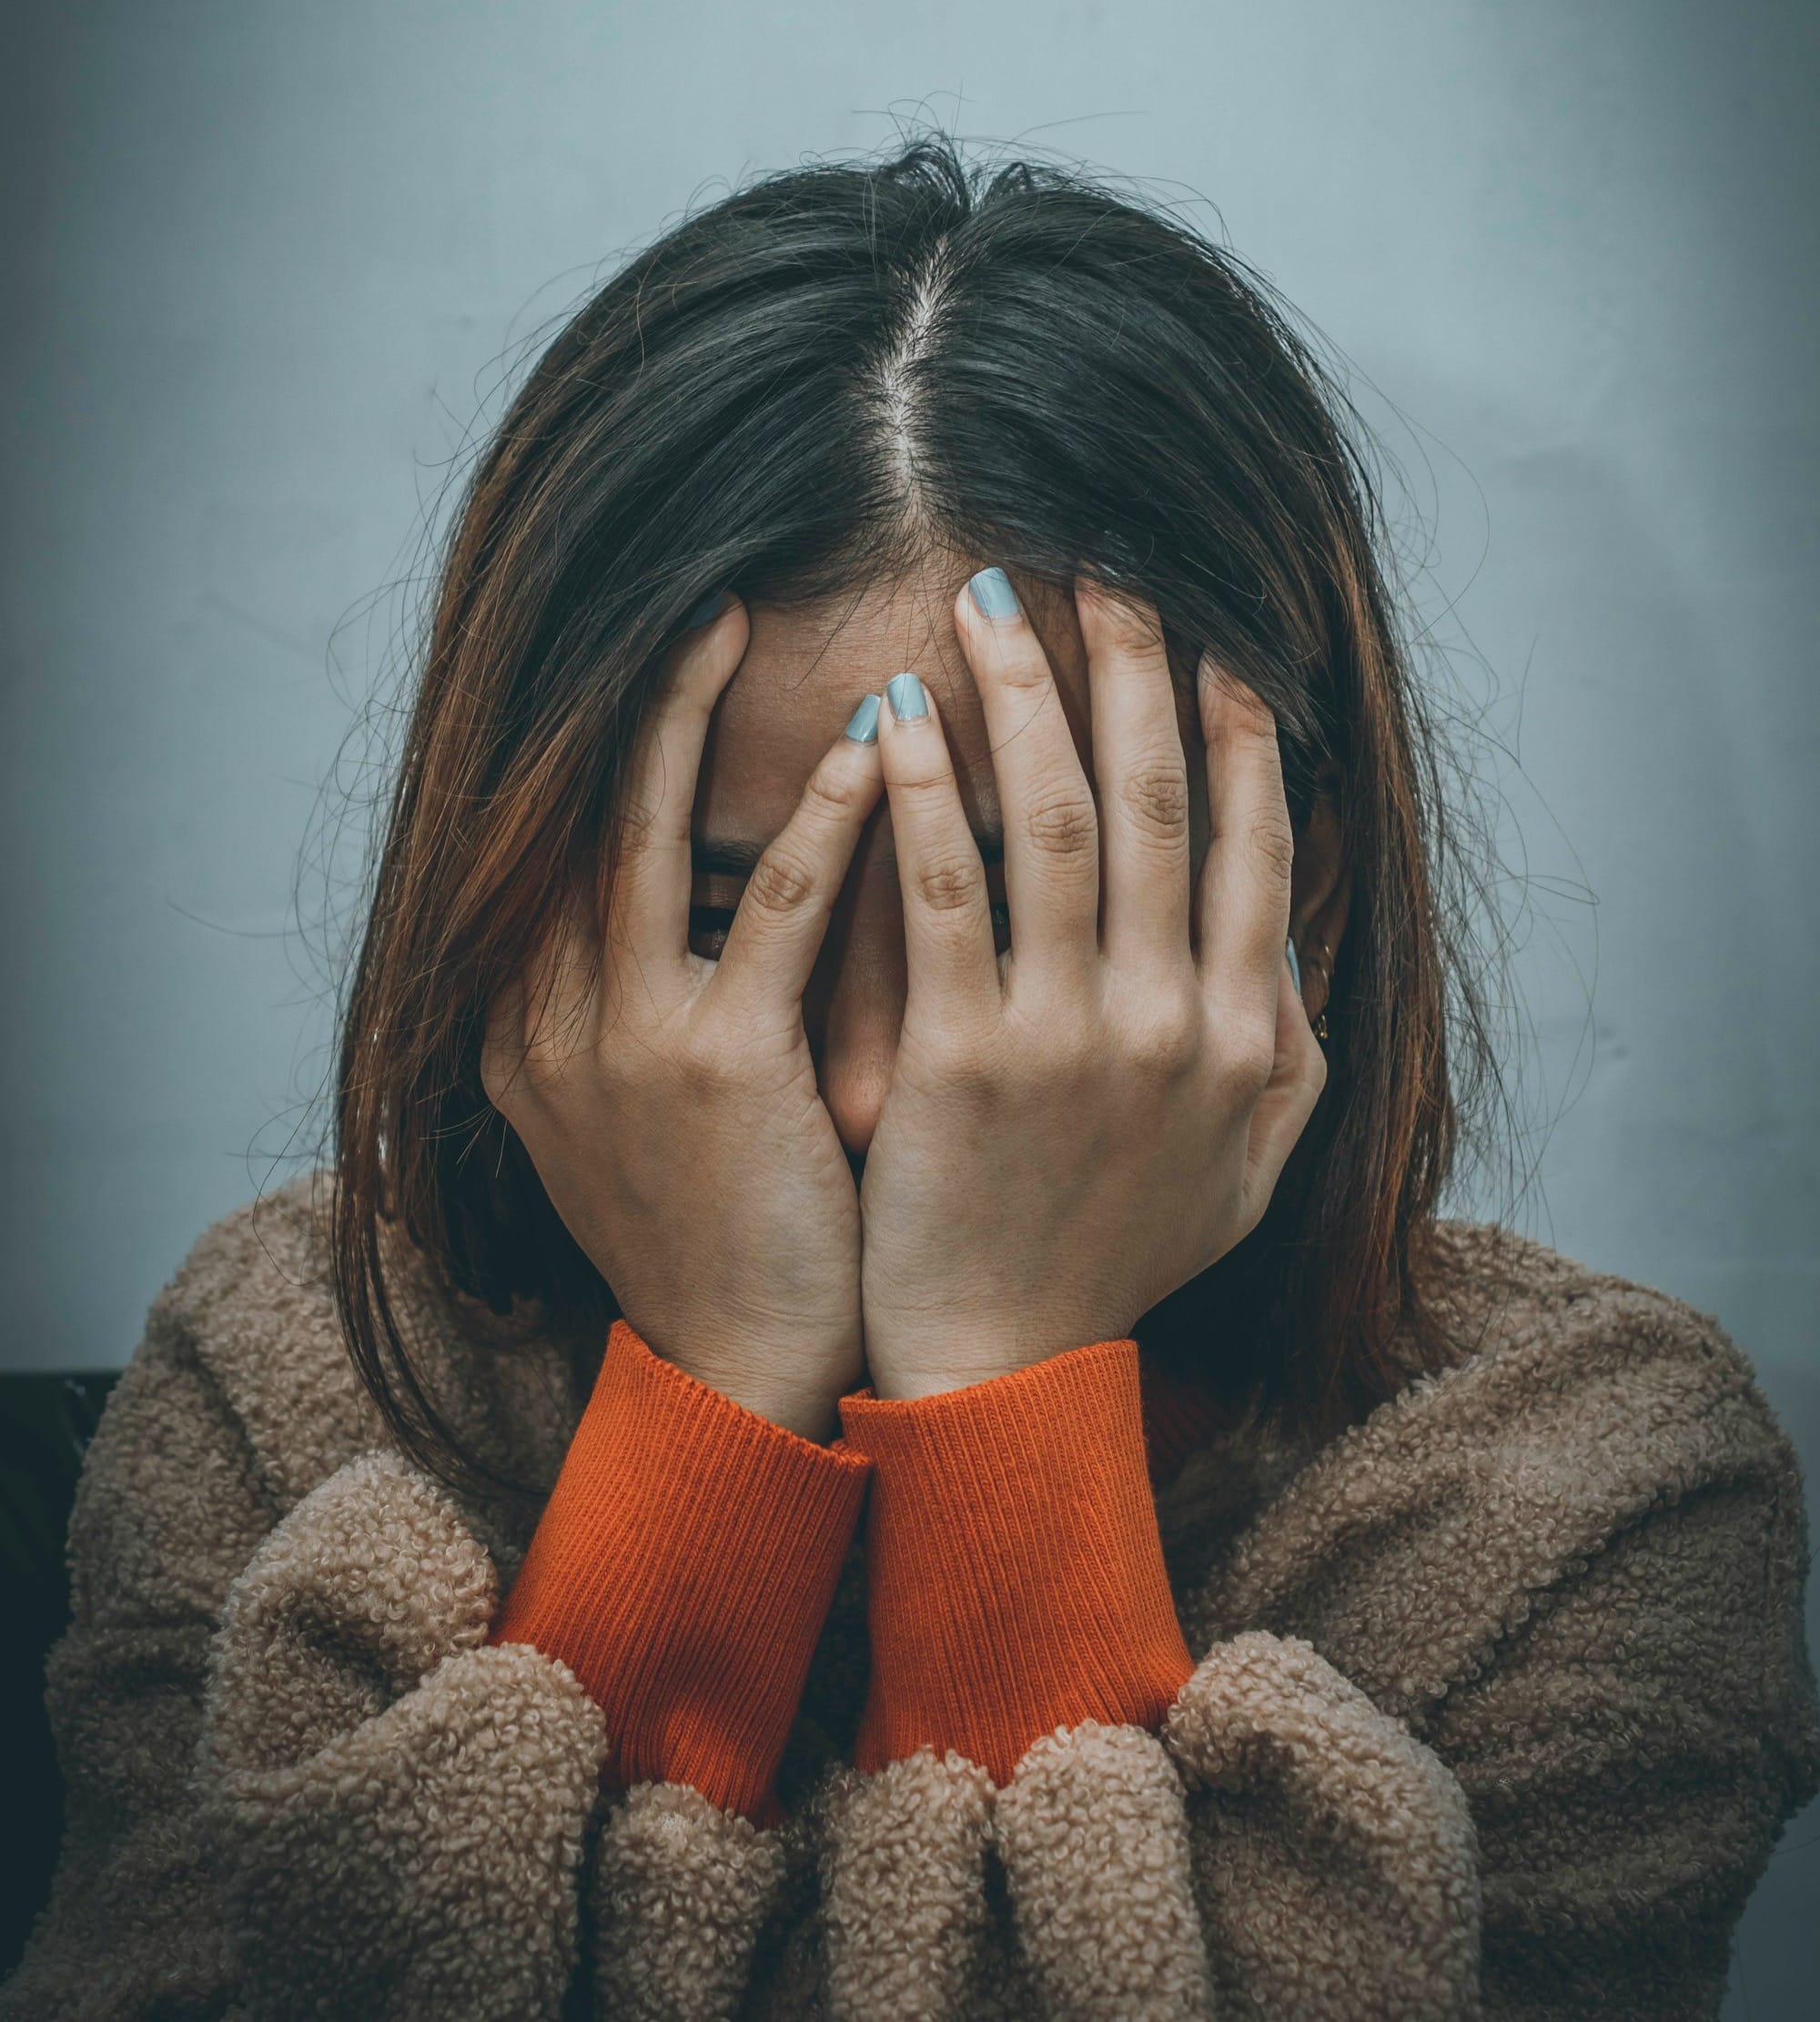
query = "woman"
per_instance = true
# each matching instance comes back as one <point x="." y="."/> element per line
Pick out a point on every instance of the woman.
<point x="913" y="913"/>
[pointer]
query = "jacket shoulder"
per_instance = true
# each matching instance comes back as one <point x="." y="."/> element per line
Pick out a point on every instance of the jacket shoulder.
<point x="1598" y="1396"/>
<point x="1553" y="1353"/>
<point x="253" y="1306"/>
<point x="236" y="1401"/>
<point x="1578" y="1406"/>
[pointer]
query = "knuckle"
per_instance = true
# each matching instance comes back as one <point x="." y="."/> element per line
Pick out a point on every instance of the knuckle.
<point x="546" y="1052"/>
<point x="1251" y="1057"/>
<point x="636" y="829"/>
<point x="949" y="883"/>
<point x="1222" y="688"/>
<point x="708" y="1064"/>
<point x="538" y="1064"/>
<point x="959" y="1056"/>
<point x="1166" y="1042"/>
<point x="781" y="884"/>
<point x="1022" y="664"/>
<point x="969" y="1072"/>
<point x="555" y="1026"/>
<point x="1059" y="1043"/>
<point x="1071" y="1066"/>
<point x="505" y="1064"/>
<point x="927" y="795"/>
<point x="1062" y="824"/>
<point x="831" y="795"/>
<point x="1274" y="841"/>
<point x="1155" y="797"/>
<point x="1123" y="616"/>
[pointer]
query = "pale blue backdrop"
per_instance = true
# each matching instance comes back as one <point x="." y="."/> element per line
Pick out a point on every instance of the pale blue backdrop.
<point x="266" y="266"/>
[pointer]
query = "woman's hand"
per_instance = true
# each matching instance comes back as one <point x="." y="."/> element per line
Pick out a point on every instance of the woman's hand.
<point x="669" y="1103"/>
<point x="1075" y="1128"/>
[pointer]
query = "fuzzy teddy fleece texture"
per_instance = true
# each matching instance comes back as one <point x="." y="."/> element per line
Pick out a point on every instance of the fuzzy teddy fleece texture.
<point x="1492" y="1705"/>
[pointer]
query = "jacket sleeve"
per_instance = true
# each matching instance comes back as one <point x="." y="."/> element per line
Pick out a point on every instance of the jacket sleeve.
<point x="682" y="1571"/>
<point x="1551" y="1796"/>
<point x="397" y="1811"/>
<point x="401" y="1775"/>
<point x="1634" y="1747"/>
<point x="1571" y="1571"/>
<point x="307" y="1779"/>
<point x="296" y="1782"/>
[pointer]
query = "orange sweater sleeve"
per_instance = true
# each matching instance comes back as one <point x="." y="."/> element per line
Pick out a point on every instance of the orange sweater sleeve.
<point x="1014" y="1572"/>
<point x="682" y="1570"/>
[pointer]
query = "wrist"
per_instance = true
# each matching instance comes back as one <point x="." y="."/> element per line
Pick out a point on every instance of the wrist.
<point x="950" y="1350"/>
<point x="968" y="1351"/>
<point x="815" y="1417"/>
<point x="918" y="1380"/>
<point x="786" y="1379"/>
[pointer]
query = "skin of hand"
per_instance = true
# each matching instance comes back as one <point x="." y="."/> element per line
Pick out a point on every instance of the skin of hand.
<point x="1076" y="1127"/>
<point x="705" y="1171"/>
<point x="669" y="1102"/>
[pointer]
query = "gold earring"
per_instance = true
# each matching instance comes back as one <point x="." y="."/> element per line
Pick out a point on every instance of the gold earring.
<point x="1321" y="1031"/>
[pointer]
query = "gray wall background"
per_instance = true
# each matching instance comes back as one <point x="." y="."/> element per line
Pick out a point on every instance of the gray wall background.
<point x="266" y="266"/>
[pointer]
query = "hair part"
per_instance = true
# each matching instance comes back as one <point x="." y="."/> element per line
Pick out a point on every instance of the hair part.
<point x="817" y="381"/>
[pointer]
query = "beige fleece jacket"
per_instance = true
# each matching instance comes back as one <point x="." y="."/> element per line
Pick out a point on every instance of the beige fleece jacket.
<point x="1501" y="1700"/>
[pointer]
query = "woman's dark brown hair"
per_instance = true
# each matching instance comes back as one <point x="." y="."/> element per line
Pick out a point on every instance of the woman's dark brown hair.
<point x="807" y="384"/>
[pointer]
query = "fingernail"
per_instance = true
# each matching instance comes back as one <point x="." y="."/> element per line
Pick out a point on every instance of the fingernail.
<point x="908" y="700"/>
<point x="862" y="724"/>
<point x="1295" y="966"/>
<point x="711" y="606"/>
<point x="992" y="594"/>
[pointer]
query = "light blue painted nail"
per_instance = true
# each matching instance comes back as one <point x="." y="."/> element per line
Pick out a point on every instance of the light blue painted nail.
<point x="711" y="606"/>
<point x="993" y="595"/>
<point x="908" y="700"/>
<point x="1295" y="966"/>
<point x="862" y="724"/>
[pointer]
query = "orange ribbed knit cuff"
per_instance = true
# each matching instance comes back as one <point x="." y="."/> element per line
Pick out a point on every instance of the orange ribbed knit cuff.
<point x="1015" y="1574"/>
<point x="682" y="1570"/>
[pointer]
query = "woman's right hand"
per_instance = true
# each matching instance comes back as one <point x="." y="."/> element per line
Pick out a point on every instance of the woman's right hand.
<point x="670" y="1102"/>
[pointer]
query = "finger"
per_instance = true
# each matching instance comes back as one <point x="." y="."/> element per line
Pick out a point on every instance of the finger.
<point x="1141" y="773"/>
<point x="648" y="912"/>
<point x="1046" y="804"/>
<point x="1242" y="907"/>
<point x="783" y="916"/>
<point x="947" y="919"/>
<point x="1298" y="1076"/>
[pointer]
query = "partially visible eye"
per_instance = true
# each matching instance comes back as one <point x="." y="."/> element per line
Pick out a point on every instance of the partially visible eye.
<point x="708" y="926"/>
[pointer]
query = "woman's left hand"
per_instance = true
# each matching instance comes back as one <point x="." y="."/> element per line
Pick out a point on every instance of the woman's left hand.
<point x="1076" y="1128"/>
